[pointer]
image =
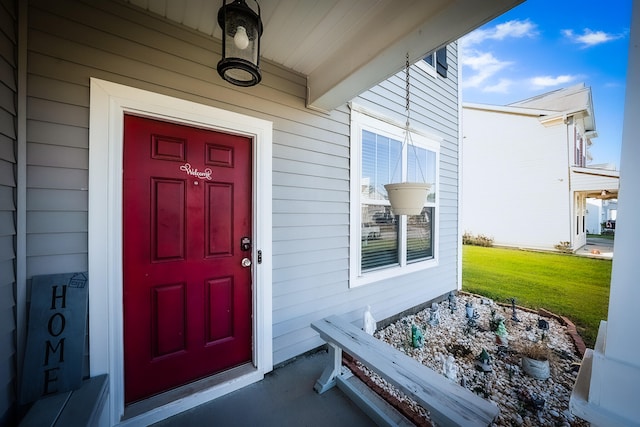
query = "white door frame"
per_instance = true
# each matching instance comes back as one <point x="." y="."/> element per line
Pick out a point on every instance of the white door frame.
<point x="109" y="103"/>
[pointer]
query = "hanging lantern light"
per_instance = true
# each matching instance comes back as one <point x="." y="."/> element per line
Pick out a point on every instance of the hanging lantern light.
<point x="241" y="31"/>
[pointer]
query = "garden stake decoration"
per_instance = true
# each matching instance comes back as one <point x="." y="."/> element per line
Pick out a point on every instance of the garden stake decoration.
<point x="501" y="333"/>
<point x="531" y="401"/>
<point x="543" y="324"/>
<point x="482" y="362"/>
<point x="513" y="309"/>
<point x="368" y="321"/>
<point x="470" y="310"/>
<point x="472" y="322"/>
<point x="449" y="368"/>
<point x="494" y="321"/>
<point x="452" y="302"/>
<point x="511" y="370"/>
<point x="434" y="315"/>
<point x="417" y="338"/>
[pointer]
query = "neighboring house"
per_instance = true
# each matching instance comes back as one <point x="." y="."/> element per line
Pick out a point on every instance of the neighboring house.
<point x="210" y="213"/>
<point x="525" y="173"/>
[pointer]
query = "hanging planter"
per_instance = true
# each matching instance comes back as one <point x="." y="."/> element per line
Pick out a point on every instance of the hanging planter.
<point x="407" y="198"/>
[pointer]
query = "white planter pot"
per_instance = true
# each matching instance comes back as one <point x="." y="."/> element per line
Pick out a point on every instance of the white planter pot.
<point x="407" y="198"/>
<point x="536" y="368"/>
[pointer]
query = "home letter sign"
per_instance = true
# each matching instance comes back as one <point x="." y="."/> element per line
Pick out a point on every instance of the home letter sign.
<point x="56" y="335"/>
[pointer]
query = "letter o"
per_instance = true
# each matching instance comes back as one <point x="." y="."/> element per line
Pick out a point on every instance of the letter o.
<point x="63" y="323"/>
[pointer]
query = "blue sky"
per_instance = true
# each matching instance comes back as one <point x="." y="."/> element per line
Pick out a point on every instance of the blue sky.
<point x="544" y="45"/>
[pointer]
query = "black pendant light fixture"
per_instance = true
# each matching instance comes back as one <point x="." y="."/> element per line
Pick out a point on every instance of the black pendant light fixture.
<point x="241" y="31"/>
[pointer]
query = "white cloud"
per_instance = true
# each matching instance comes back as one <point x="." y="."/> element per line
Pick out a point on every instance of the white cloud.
<point x="484" y="65"/>
<point x="479" y="60"/>
<point x="509" y="29"/>
<point x="614" y="85"/>
<point x="590" y="38"/>
<point x="549" y="81"/>
<point x="501" y="87"/>
<point x="515" y="29"/>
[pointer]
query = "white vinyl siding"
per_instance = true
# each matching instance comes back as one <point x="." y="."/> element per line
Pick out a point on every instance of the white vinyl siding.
<point x="584" y="179"/>
<point x="8" y="137"/>
<point x="72" y="41"/>
<point x="533" y="166"/>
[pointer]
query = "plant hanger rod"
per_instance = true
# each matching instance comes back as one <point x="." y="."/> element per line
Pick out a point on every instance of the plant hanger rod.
<point x="407" y="90"/>
<point x="407" y="198"/>
<point x="407" y="137"/>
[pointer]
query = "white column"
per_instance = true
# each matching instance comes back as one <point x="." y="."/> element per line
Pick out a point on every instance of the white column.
<point x="608" y="386"/>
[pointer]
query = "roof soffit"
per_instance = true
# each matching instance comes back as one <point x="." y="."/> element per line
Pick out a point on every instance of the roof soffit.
<point x="344" y="47"/>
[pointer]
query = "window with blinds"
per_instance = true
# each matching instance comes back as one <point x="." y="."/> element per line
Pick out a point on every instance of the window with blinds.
<point x="388" y="240"/>
<point x="381" y="157"/>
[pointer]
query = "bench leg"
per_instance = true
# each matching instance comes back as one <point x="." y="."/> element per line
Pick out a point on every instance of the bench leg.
<point x="328" y="377"/>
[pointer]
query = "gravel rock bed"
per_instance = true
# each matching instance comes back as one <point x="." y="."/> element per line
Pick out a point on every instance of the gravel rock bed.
<point x="522" y="399"/>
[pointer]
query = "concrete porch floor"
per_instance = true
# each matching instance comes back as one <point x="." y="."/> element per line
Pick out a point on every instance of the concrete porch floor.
<point x="285" y="397"/>
<point x="597" y="247"/>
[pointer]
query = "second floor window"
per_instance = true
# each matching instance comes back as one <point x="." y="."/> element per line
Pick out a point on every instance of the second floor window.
<point x="438" y="61"/>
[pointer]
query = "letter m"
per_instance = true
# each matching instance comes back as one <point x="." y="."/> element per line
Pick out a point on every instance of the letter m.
<point x="53" y="350"/>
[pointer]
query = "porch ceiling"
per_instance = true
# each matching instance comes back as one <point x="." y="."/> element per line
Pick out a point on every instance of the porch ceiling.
<point x="343" y="47"/>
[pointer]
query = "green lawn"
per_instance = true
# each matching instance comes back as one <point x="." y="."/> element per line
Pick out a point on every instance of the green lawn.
<point x="569" y="285"/>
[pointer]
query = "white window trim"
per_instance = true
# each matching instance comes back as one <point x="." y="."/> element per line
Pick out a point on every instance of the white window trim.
<point x="109" y="102"/>
<point x="429" y="69"/>
<point x="362" y="118"/>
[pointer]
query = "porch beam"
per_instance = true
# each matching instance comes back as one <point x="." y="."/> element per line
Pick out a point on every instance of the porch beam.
<point x="377" y="50"/>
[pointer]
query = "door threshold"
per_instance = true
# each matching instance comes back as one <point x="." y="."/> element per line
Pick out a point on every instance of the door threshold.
<point x="172" y="402"/>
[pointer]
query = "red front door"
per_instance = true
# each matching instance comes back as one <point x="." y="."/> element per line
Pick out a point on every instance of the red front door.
<point x="187" y="296"/>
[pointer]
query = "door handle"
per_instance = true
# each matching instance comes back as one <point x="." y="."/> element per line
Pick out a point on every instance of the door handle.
<point x="246" y="262"/>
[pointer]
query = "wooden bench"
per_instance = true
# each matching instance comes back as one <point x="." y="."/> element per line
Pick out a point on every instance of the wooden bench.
<point x="449" y="404"/>
<point x="81" y="407"/>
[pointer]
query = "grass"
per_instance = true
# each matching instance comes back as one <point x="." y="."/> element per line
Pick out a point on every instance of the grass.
<point x="569" y="285"/>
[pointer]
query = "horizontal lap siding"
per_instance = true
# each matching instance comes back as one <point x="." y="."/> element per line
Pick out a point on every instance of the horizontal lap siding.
<point x="310" y="237"/>
<point x="312" y="281"/>
<point x="587" y="182"/>
<point x="8" y="136"/>
<point x="73" y="41"/>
